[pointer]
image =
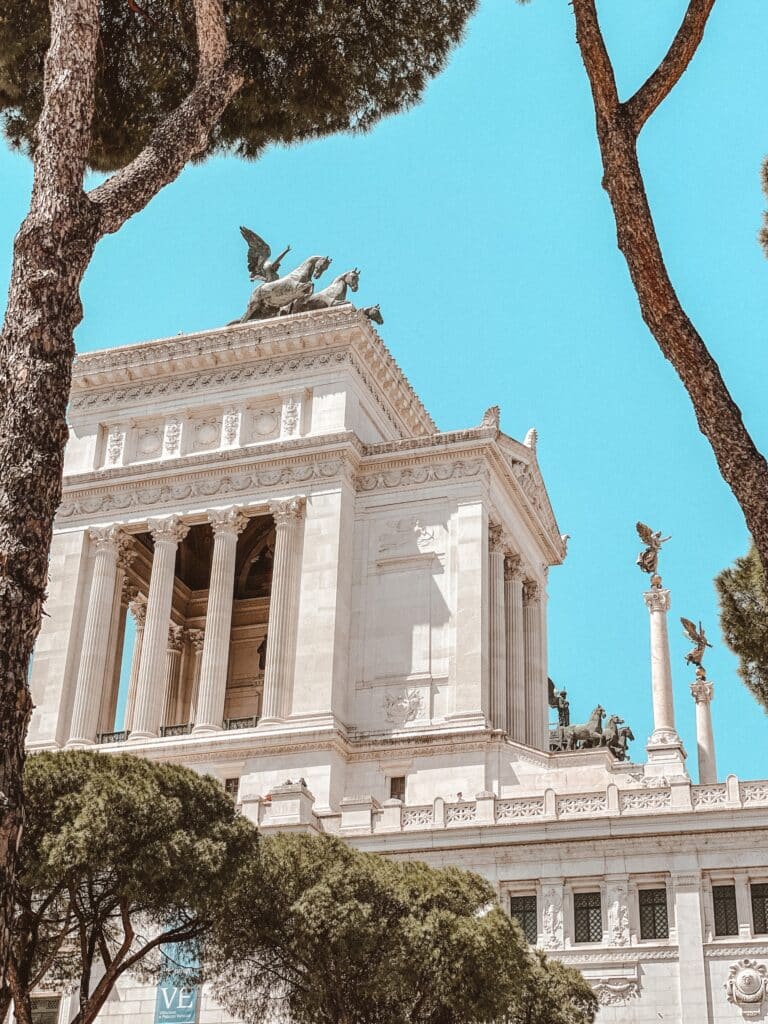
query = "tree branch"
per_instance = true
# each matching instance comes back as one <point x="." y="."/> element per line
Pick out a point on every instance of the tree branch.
<point x="597" y="61"/>
<point x="181" y="135"/>
<point x="660" y="84"/>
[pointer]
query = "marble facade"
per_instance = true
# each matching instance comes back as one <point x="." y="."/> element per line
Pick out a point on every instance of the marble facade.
<point x="324" y="588"/>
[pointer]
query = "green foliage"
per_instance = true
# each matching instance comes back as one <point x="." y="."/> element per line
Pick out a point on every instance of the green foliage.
<point x="555" y="994"/>
<point x="332" y="935"/>
<point x="744" y="620"/>
<point x="119" y="855"/>
<point x="312" y="67"/>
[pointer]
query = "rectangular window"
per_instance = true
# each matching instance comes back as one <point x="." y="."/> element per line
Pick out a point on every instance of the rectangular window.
<point x="654" y="923"/>
<point x="45" y="1009"/>
<point x="397" y="788"/>
<point x="760" y="909"/>
<point x="523" y="909"/>
<point x="232" y="786"/>
<point x="726" y="916"/>
<point x="588" y="917"/>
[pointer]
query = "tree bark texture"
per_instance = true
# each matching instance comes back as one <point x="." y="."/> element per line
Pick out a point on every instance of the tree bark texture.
<point x="51" y="253"/>
<point x="740" y="463"/>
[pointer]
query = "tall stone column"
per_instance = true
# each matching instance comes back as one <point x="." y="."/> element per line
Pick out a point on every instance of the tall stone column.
<point x="665" y="749"/>
<point x="137" y="606"/>
<point x="703" y="691"/>
<point x="167" y="534"/>
<point x="116" y="639"/>
<point x="227" y="524"/>
<point x="196" y="639"/>
<point x="513" y="602"/>
<point x="172" y="661"/>
<point x="536" y="704"/>
<point x="498" y="660"/>
<point x="93" y="673"/>
<point x="283" y="609"/>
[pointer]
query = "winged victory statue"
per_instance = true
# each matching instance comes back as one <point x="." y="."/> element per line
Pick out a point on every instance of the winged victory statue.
<point x="648" y="560"/>
<point x="699" y="639"/>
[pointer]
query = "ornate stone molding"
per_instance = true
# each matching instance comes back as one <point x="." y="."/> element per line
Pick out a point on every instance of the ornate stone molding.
<point x="657" y="600"/>
<point x="713" y="951"/>
<point x="616" y="957"/>
<point x="616" y="991"/>
<point x="420" y="474"/>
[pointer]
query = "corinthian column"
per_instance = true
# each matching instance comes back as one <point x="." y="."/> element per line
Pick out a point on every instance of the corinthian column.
<point x="137" y="606"/>
<point x="513" y="602"/>
<point x="498" y="660"/>
<point x="664" y="746"/>
<point x="92" y="676"/>
<point x="703" y="691"/>
<point x="167" y="534"/>
<point x="196" y="639"/>
<point x="227" y="524"/>
<point x="283" y="608"/>
<point x="172" y="659"/>
<point x="536" y="717"/>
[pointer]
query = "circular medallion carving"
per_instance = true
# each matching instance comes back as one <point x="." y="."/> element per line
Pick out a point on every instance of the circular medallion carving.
<point x="265" y="423"/>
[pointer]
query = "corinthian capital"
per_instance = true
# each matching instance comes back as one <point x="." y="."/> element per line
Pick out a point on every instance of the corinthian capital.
<point x="657" y="600"/>
<point x="288" y="511"/>
<point x="138" y="608"/>
<point x="513" y="566"/>
<point x="107" y="538"/>
<point x="228" y="521"/>
<point x="702" y="691"/>
<point x="496" y="538"/>
<point x="531" y="591"/>
<point x="169" y="529"/>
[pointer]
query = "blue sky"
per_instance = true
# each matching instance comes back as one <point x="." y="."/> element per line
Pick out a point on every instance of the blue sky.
<point x="479" y="224"/>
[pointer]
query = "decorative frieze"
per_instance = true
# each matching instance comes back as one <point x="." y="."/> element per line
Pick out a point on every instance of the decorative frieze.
<point x="616" y="991"/>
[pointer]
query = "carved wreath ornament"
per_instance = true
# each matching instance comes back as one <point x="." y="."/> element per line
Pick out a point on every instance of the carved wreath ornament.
<point x="747" y="986"/>
<point x="403" y="707"/>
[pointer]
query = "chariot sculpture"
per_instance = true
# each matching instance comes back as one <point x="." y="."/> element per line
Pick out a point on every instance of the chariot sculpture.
<point x="295" y="291"/>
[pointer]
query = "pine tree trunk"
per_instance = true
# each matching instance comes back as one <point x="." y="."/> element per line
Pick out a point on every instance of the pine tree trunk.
<point x="740" y="463"/>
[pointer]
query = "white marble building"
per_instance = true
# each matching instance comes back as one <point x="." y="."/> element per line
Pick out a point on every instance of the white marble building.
<point x="328" y="590"/>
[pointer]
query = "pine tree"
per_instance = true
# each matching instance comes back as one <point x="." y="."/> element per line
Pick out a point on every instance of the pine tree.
<point x="744" y="620"/>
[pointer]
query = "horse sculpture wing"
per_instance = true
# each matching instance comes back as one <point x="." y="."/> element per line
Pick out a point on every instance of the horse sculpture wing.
<point x="258" y="251"/>
<point x="645" y="533"/>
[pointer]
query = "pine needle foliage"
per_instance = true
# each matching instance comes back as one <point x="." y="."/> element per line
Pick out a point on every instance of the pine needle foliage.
<point x="312" y="68"/>
<point x="121" y="856"/>
<point x="744" y="620"/>
<point x="318" y="933"/>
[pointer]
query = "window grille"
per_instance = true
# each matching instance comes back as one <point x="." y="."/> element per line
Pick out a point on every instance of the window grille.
<point x="726" y="915"/>
<point x="760" y="908"/>
<point x="588" y="917"/>
<point x="45" y="1009"/>
<point x="654" y="923"/>
<point x="523" y="909"/>
<point x="397" y="788"/>
<point x="232" y="787"/>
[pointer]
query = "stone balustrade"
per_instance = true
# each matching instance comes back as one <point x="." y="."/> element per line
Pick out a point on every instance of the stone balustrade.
<point x="364" y="815"/>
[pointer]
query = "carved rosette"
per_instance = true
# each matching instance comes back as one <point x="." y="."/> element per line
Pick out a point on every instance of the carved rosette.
<point x="747" y="987"/>
<point x="657" y="600"/>
<point x="702" y="691"/>
<point x="169" y="529"/>
<point x="288" y="511"/>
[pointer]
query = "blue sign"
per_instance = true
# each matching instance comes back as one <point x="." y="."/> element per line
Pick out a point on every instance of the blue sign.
<point x="175" y="1005"/>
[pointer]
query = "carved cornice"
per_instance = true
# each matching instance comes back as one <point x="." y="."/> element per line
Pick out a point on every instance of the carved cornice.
<point x="184" y="364"/>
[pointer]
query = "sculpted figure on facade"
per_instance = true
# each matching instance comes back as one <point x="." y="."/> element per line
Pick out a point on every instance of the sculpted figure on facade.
<point x="268" y="299"/>
<point x="260" y="266"/>
<point x="618" y="916"/>
<point x="334" y="295"/>
<point x="648" y="560"/>
<point x="552" y="919"/>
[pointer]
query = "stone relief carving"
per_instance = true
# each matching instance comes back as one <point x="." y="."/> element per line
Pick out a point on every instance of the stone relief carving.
<point x="149" y="442"/>
<point x="592" y="804"/>
<point x="172" y="436"/>
<point x="403" y="707"/>
<point x="115" y="444"/>
<point x="552" y="919"/>
<point x="616" y="992"/>
<point x="397" y="477"/>
<point x="747" y="986"/>
<point x="754" y="792"/>
<point x="618" y="916"/>
<point x="264" y="424"/>
<point x="511" y="810"/>
<point x="405" y="537"/>
<point x="207" y="433"/>
<point x="231" y="425"/>
<point x="290" y="417"/>
<point x="645" y="800"/>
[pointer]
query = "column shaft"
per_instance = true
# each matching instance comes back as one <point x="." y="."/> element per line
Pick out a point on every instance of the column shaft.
<point x="138" y="609"/>
<point x="536" y="717"/>
<point x="95" y="650"/>
<point x="498" y="660"/>
<point x="283" y="609"/>
<point x="172" y="661"/>
<point x="703" y="691"/>
<point x="227" y="524"/>
<point x="196" y="639"/>
<point x="167" y="534"/>
<point x="665" y="750"/>
<point x="513" y="599"/>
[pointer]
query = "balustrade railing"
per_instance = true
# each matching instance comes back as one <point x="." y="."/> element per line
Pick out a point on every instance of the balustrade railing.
<point x="250" y="722"/>
<point x="176" y="730"/>
<point x="113" y="737"/>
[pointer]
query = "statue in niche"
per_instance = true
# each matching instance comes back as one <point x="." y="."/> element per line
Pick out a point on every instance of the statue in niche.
<point x="648" y="560"/>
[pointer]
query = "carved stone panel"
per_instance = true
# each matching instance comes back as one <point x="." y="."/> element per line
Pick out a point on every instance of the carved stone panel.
<point x="747" y="987"/>
<point x="261" y="424"/>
